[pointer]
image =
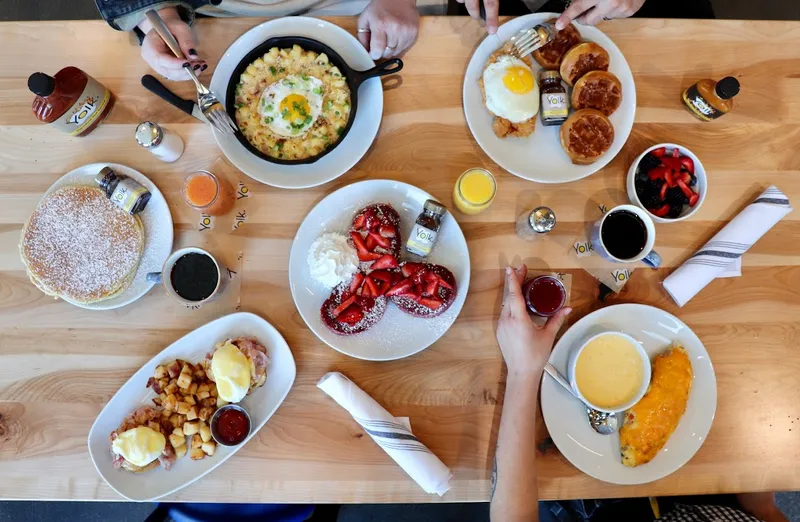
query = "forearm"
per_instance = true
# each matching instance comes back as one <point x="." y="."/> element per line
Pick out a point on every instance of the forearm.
<point x="514" y="488"/>
<point x="127" y="14"/>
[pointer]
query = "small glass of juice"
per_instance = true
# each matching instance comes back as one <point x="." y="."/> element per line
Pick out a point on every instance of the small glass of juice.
<point x="545" y="295"/>
<point x="474" y="191"/>
<point x="206" y="193"/>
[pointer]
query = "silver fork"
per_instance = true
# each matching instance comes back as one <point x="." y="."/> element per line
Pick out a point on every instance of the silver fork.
<point x="528" y="40"/>
<point x="209" y="104"/>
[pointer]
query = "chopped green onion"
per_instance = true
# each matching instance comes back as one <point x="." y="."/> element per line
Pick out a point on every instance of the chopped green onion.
<point x="272" y="70"/>
<point x="340" y="130"/>
<point x="318" y="90"/>
<point x="307" y="120"/>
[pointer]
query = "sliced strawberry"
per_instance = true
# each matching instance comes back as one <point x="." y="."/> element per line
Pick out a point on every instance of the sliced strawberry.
<point x="387" y="230"/>
<point x="370" y="285"/>
<point x="676" y="153"/>
<point x="410" y="269"/>
<point x="673" y="164"/>
<point x="386" y="261"/>
<point x="360" y="221"/>
<point x="685" y="189"/>
<point x="342" y="307"/>
<point x="693" y="199"/>
<point x="402" y="287"/>
<point x="385" y="242"/>
<point x="366" y="257"/>
<point x="662" y="195"/>
<point x="370" y="242"/>
<point x="670" y="179"/>
<point x="382" y="275"/>
<point x="358" y="242"/>
<point x="659" y="152"/>
<point x="661" y="211"/>
<point x="685" y="177"/>
<point x="658" y="173"/>
<point x="687" y="163"/>
<point x="351" y="315"/>
<point x="355" y="284"/>
<point x="431" y="288"/>
<point x="443" y="283"/>
<point x="431" y="302"/>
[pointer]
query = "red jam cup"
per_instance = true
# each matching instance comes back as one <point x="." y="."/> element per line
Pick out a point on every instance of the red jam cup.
<point x="544" y="295"/>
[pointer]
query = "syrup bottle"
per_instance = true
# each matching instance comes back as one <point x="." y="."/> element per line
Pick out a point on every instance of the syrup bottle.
<point x="71" y="101"/>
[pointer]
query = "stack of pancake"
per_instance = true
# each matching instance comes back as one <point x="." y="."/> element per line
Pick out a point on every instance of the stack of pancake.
<point x="79" y="246"/>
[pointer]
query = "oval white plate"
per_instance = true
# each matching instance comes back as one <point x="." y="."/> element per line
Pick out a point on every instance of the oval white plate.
<point x="367" y="117"/>
<point x="158" y="231"/>
<point x="398" y="334"/>
<point x="598" y="455"/>
<point x="193" y="347"/>
<point x="540" y="157"/>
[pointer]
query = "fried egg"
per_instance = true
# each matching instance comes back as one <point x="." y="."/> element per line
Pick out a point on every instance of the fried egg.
<point x="511" y="90"/>
<point x="291" y="106"/>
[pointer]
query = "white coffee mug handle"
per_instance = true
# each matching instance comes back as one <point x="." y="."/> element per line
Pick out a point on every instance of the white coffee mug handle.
<point x="154" y="277"/>
<point x="653" y="260"/>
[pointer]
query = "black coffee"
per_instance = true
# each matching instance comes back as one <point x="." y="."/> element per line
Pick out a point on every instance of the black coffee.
<point x="194" y="276"/>
<point x="624" y="234"/>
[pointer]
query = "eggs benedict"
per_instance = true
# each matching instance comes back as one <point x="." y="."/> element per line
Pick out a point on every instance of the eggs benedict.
<point x="238" y="366"/>
<point x="139" y="445"/>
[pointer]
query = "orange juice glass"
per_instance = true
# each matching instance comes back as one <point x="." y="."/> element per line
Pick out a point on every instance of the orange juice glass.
<point x="207" y="193"/>
<point x="474" y="191"/>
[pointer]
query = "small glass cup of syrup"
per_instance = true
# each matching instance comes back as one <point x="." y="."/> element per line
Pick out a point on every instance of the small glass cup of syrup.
<point x="230" y="425"/>
<point x="544" y="295"/>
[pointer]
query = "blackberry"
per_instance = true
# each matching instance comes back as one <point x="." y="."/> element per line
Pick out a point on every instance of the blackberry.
<point x="675" y="210"/>
<point x="675" y="195"/>
<point x="649" y="162"/>
<point x="650" y="193"/>
<point x="641" y="175"/>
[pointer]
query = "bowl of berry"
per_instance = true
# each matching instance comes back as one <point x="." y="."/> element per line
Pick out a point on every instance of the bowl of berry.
<point x="668" y="181"/>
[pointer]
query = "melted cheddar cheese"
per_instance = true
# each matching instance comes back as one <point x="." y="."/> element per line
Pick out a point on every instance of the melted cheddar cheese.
<point x="651" y="422"/>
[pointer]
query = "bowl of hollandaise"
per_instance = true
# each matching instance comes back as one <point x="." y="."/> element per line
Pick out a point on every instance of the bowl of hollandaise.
<point x="610" y="372"/>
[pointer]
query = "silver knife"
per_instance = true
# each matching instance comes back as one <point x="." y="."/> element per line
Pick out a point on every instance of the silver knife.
<point x="152" y="84"/>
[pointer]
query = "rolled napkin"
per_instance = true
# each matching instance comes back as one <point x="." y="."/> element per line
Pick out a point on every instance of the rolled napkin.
<point x="391" y="434"/>
<point x="717" y="256"/>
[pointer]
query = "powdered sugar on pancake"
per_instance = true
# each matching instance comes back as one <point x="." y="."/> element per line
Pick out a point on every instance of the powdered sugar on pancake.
<point x="81" y="246"/>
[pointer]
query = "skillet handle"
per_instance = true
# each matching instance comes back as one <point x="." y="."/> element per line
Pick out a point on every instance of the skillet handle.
<point x="392" y="66"/>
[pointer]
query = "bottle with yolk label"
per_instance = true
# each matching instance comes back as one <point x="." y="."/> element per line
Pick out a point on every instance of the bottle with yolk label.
<point x="474" y="191"/>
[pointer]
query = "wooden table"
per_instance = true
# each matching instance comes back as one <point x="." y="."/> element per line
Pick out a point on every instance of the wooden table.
<point x="59" y="364"/>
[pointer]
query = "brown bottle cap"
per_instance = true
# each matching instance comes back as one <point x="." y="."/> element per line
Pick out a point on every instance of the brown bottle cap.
<point x="727" y="87"/>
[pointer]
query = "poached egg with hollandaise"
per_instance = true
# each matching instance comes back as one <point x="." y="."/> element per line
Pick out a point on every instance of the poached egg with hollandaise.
<point x="231" y="369"/>
<point x="140" y="446"/>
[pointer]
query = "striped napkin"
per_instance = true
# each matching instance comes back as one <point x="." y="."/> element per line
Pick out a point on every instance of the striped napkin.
<point x="390" y="433"/>
<point x="727" y="247"/>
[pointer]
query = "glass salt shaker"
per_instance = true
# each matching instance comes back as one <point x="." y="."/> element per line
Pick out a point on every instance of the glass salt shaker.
<point x="164" y="144"/>
<point x="536" y="223"/>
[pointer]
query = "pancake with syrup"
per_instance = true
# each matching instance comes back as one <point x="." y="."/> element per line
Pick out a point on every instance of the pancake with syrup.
<point x="79" y="246"/>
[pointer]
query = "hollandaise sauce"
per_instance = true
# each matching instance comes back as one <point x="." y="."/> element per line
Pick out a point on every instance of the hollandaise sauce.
<point x="231" y="369"/>
<point x="139" y="446"/>
<point x="609" y="371"/>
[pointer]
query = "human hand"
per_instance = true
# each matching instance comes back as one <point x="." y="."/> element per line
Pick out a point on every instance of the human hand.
<point x="492" y="9"/>
<point x="388" y="28"/>
<point x="158" y="55"/>
<point x="590" y="12"/>
<point x="525" y="345"/>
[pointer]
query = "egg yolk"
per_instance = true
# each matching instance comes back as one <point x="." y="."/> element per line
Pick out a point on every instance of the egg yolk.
<point x="295" y="107"/>
<point x="518" y="80"/>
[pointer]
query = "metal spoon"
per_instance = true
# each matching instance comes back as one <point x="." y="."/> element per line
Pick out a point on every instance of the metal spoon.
<point x="601" y="422"/>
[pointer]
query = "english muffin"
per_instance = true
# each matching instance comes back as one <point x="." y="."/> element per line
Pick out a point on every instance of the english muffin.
<point x="599" y="90"/>
<point x="581" y="59"/>
<point x="586" y="135"/>
<point x="549" y="56"/>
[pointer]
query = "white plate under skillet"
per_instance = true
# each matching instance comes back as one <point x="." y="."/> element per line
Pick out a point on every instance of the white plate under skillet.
<point x="353" y="146"/>
<point x="539" y="157"/>
<point x="158" y="232"/>
<point x="397" y="334"/>
<point x="598" y="455"/>
<point x="193" y="347"/>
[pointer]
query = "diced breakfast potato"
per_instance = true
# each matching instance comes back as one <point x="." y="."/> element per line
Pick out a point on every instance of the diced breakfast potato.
<point x="203" y="394"/>
<point x="205" y="432"/>
<point x="203" y="387"/>
<point x="166" y="414"/>
<point x="181" y="419"/>
<point x="199" y="373"/>
<point x="163" y="383"/>
<point x="177" y="440"/>
<point x="197" y="441"/>
<point x="205" y="413"/>
<point x="180" y="451"/>
<point x="184" y="380"/>
<point x="189" y="399"/>
<point x="178" y="431"/>
<point x="209" y="401"/>
<point x="193" y="386"/>
<point x="190" y="428"/>
<point x="209" y="448"/>
<point x="182" y="408"/>
<point x="192" y="413"/>
<point x="197" y="454"/>
<point x="161" y="372"/>
<point x="173" y="420"/>
<point x="153" y="425"/>
<point x="170" y="403"/>
<point x="172" y="388"/>
<point x="213" y="391"/>
<point x="157" y="401"/>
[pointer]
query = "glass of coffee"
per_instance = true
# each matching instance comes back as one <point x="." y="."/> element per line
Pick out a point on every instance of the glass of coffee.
<point x="190" y="275"/>
<point x="626" y="234"/>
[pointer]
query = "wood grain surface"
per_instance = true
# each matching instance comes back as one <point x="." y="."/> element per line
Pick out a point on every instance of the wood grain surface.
<point x="59" y="364"/>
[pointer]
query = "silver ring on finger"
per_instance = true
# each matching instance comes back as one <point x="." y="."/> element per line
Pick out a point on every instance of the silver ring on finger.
<point x="607" y="19"/>
<point x="363" y="30"/>
<point x="389" y="48"/>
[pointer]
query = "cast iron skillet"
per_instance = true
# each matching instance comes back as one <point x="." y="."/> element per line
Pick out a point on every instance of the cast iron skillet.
<point x="353" y="78"/>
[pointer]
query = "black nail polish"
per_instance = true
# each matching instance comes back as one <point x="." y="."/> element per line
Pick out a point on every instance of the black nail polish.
<point x="192" y="52"/>
<point x="203" y="68"/>
<point x="187" y="64"/>
<point x="196" y="67"/>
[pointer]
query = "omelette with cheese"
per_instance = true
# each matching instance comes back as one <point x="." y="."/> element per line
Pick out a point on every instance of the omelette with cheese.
<point x="650" y="423"/>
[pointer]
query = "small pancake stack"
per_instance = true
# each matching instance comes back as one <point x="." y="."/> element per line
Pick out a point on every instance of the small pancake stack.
<point x="78" y="246"/>
<point x="596" y="93"/>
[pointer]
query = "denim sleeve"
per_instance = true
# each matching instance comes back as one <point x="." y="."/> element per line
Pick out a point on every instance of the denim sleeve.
<point x="124" y="15"/>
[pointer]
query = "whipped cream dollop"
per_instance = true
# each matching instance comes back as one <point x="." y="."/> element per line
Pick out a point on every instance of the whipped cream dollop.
<point x="331" y="260"/>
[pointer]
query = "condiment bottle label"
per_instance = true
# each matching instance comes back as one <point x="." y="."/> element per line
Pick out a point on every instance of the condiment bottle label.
<point x="554" y="105"/>
<point x="696" y="103"/>
<point x="90" y="106"/>
<point x="127" y="193"/>
<point x="421" y="240"/>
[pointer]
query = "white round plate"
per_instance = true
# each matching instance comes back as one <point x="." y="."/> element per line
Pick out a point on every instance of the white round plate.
<point x="598" y="455"/>
<point x="157" y="222"/>
<point x="358" y="139"/>
<point x="540" y="157"/>
<point x="397" y="334"/>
